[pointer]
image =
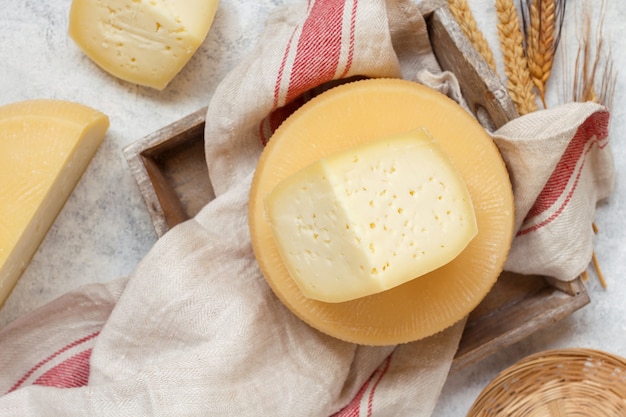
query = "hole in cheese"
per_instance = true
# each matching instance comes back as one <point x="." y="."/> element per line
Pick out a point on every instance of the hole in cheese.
<point x="154" y="40"/>
<point x="376" y="171"/>
<point x="45" y="145"/>
<point x="362" y="111"/>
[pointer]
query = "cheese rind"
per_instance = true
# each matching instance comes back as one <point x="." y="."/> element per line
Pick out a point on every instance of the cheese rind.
<point x="45" y="145"/>
<point x="371" y="218"/>
<point x="356" y="113"/>
<point x="143" y="42"/>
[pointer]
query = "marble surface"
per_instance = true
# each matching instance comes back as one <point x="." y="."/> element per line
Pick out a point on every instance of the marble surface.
<point x="104" y="229"/>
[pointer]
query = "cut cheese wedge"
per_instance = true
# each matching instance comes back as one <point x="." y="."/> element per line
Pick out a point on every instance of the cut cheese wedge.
<point x="143" y="42"/>
<point x="373" y="217"/>
<point x="45" y="146"/>
<point x="362" y="111"/>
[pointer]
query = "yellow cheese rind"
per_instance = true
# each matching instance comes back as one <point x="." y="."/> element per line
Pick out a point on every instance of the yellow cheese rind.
<point x="143" y="42"/>
<point x="45" y="145"/>
<point x="371" y="218"/>
<point x="355" y="113"/>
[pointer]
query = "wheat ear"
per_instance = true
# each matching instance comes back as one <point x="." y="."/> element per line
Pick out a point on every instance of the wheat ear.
<point x="516" y="70"/>
<point x="540" y="53"/>
<point x="543" y="20"/>
<point x="463" y="15"/>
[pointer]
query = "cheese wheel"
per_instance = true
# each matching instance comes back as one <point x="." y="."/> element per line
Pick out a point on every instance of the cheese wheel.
<point x="45" y="146"/>
<point x="362" y="111"/>
<point x="143" y="42"/>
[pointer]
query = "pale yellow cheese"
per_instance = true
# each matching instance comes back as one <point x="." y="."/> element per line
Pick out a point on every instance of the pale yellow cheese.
<point x="373" y="217"/>
<point x="146" y="42"/>
<point x="356" y="113"/>
<point x="45" y="145"/>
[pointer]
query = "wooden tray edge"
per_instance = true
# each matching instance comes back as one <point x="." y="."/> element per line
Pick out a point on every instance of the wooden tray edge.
<point x="529" y="317"/>
<point x="483" y="91"/>
<point x="138" y="152"/>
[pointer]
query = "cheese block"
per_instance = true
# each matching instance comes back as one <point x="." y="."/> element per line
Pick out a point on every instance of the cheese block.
<point x="143" y="42"/>
<point x="359" y="112"/>
<point x="370" y="218"/>
<point x="45" y="145"/>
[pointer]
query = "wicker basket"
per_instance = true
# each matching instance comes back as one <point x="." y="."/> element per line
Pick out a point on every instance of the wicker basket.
<point x="557" y="383"/>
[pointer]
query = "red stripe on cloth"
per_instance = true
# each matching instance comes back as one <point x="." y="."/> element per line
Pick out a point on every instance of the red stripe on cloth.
<point x="316" y="61"/>
<point x="594" y="128"/>
<point x="71" y="373"/>
<point x="593" y="132"/>
<point x="51" y="357"/>
<point x="370" y="400"/>
<point x="281" y="70"/>
<point x="354" y="406"/>
<point x="319" y="48"/>
<point x="353" y="409"/>
<point x="351" y="45"/>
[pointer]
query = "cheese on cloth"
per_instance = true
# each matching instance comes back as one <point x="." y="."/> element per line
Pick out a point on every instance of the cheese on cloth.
<point x="45" y="145"/>
<point x="371" y="218"/>
<point x="145" y="42"/>
<point x="357" y="113"/>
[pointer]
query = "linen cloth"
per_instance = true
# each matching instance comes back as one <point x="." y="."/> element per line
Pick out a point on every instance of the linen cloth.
<point x="196" y="331"/>
<point x="560" y="165"/>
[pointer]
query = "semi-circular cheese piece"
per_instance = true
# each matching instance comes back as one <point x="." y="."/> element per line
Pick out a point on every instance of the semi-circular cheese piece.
<point x="45" y="146"/>
<point x="366" y="110"/>
<point x="143" y="42"/>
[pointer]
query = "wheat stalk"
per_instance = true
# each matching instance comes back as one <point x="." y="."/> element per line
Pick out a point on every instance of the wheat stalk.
<point x="516" y="70"/>
<point x="543" y="20"/>
<point x="463" y="15"/>
<point x="584" y="70"/>
<point x="591" y="60"/>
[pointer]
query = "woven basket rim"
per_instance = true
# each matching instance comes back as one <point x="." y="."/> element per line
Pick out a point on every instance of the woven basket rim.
<point x="557" y="383"/>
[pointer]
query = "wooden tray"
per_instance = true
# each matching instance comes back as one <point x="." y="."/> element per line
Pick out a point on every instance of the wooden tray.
<point x="170" y="169"/>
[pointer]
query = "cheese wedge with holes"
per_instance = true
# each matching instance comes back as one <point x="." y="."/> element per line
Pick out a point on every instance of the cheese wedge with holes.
<point x="371" y="218"/>
<point x="45" y="146"/>
<point x="144" y="42"/>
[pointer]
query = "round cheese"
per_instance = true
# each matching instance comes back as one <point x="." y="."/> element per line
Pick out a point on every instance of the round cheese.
<point x="45" y="146"/>
<point x="360" y="112"/>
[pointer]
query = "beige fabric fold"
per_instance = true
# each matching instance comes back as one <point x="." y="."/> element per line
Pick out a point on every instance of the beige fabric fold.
<point x="561" y="166"/>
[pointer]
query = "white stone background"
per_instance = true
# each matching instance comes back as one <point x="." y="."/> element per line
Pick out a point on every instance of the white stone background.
<point x="104" y="229"/>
